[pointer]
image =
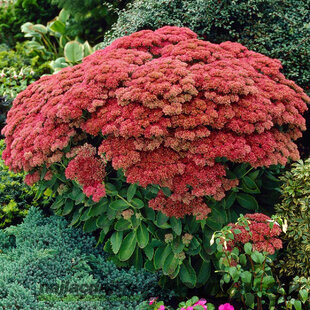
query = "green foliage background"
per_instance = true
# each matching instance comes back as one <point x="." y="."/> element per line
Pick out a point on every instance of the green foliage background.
<point x="295" y="207"/>
<point x="20" y="12"/>
<point x="16" y="197"/>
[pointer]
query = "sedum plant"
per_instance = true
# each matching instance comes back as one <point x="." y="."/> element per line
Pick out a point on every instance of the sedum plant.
<point x="246" y="253"/>
<point x="294" y="206"/>
<point x="158" y="140"/>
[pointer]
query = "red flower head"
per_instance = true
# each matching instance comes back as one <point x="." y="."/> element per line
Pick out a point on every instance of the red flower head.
<point x="167" y="105"/>
<point x="261" y="232"/>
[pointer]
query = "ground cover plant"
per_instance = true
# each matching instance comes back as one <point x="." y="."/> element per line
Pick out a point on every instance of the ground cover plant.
<point x="164" y="119"/>
<point x="46" y="265"/>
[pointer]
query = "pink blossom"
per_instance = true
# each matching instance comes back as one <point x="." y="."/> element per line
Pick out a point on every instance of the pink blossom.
<point x="226" y="306"/>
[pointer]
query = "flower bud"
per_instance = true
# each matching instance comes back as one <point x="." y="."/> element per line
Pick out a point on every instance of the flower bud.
<point x="187" y="238"/>
<point x="168" y="238"/>
<point x="127" y="214"/>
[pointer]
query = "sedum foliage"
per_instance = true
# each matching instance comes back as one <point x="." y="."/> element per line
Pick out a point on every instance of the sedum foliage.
<point x="295" y="208"/>
<point x="46" y="265"/>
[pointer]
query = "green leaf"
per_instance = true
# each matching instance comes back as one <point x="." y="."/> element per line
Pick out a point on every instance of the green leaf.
<point x="229" y="200"/>
<point x="63" y="15"/>
<point x="142" y="236"/>
<point x="248" y="248"/>
<point x="170" y="264"/>
<point x="177" y="246"/>
<point x="131" y="191"/>
<point x="249" y="300"/>
<point x="90" y="225"/>
<point x="128" y="246"/>
<point x="149" y="266"/>
<point x="39" y="28"/>
<point x="166" y="191"/>
<point x="138" y="259"/>
<point x="304" y="295"/>
<point x="111" y="189"/>
<point x="246" y="277"/>
<point x="96" y="210"/>
<point x="122" y="225"/>
<point x="58" y="26"/>
<point x="297" y="304"/>
<point x="176" y="225"/>
<point x="210" y="306"/>
<point x="160" y="256"/>
<point x="68" y="207"/>
<point x="188" y="274"/>
<point x="149" y="252"/>
<point x="268" y="281"/>
<point x="137" y="203"/>
<point x="119" y="205"/>
<point x="88" y="50"/>
<point x="59" y="201"/>
<point x="161" y="219"/>
<point x="204" y="273"/>
<point x="258" y="257"/>
<point x="247" y="201"/>
<point x="248" y="185"/>
<point x="116" y="241"/>
<point x="73" y="52"/>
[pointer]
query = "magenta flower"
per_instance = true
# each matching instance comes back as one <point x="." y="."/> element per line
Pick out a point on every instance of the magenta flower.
<point x="152" y="300"/>
<point x="226" y="307"/>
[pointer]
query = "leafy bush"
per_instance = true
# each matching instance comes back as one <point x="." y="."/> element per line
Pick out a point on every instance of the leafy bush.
<point x="5" y="105"/>
<point x="55" y="267"/>
<point x="246" y="250"/>
<point x="159" y="108"/>
<point x="90" y="19"/>
<point x="15" y="196"/>
<point x="19" y="12"/>
<point x="52" y="42"/>
<point x="18" y="69"/>
<point x="295" y="208"/>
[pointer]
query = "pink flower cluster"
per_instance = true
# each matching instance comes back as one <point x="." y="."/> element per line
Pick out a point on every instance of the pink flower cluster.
<point x="262" y="233"/>
<point x="88" y="170"/>
<point x="165" y="105"/>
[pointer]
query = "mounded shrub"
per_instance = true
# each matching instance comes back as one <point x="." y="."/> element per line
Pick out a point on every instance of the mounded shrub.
<point x="278" y="29"/>
<point x="294" y="207"/>
<point x="183" y="121"/>
<point x="50" y="266"/>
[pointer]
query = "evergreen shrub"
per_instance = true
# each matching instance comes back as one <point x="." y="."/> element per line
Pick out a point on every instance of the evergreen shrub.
<point x="46" y="265"/>
<point x="295" y="260"/>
